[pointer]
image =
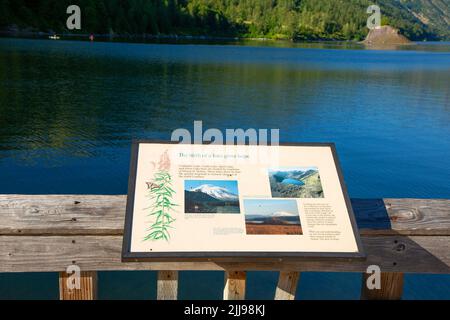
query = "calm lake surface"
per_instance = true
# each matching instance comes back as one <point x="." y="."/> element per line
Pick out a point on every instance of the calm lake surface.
<point x="69" y="109"/>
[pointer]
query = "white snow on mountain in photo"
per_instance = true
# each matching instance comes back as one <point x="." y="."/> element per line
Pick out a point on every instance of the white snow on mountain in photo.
<point x="216" y="192"/>
<point x="283" y="214"/>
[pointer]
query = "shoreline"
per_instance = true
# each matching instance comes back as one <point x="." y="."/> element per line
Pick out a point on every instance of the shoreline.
<point x="174" y="37"/>
<point x="204" y="39"/>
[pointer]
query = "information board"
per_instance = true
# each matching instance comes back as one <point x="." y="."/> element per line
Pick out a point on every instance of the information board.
<point x="198" y="201"/>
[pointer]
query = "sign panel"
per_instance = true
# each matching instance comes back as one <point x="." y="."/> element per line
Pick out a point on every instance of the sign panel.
<point x="233" y="201"/>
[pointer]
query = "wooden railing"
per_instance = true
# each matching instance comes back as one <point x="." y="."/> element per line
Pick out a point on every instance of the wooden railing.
<point x="40" y="233"/>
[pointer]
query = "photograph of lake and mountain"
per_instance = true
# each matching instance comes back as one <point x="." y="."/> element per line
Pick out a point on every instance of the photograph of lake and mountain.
<point x="272" y="216"/>
<point x="301" y="182"/>
<point x="211" y="196"/>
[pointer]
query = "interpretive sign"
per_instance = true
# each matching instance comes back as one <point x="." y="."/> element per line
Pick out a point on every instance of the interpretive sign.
<point x="198" y="201"/>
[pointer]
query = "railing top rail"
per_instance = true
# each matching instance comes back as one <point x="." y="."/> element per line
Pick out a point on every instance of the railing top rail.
<point x="50" y="232"/>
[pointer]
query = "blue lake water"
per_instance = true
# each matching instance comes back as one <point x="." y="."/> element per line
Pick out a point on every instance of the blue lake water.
<point x="69" y="109"/>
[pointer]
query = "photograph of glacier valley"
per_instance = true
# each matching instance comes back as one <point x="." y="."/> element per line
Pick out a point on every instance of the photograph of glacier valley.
<point x="302" y="182"/>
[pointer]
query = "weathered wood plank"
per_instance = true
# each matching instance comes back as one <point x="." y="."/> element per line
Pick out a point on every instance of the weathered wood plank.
<point x="234" y="285"/>
<point x="287" y="285"/>
<point x="402" y="216"/>
<point x="62" y="214"/>
<point x="104" y="215"/>
<point x="391" y="287"/>
<point x="422" y="254"/>
<point x="86" y="291"/>
<point x="167" y="285"/>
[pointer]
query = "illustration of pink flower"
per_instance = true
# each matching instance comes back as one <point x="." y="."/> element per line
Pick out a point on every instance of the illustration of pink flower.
<point x="164" y="162"/>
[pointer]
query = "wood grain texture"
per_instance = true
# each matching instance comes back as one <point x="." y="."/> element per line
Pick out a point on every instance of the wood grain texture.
<point x="402" y="216"/>
<point x="104" y="215"/>
<point x="287" y="285"/>
<point x="234" y="285"/>
<point x="167" y="285"/>
<point x="87" y="290"/>
<point x="391" y="287"/>
<point x="62" y="214"/>
<point x="421" y="254"/>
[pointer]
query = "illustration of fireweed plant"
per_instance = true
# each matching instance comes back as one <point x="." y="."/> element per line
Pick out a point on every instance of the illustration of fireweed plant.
<point x="161" y="194"/>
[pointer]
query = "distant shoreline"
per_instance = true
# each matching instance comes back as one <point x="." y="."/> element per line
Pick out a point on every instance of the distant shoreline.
<point x="175" y="37"/>
<point x="203" y="39"/>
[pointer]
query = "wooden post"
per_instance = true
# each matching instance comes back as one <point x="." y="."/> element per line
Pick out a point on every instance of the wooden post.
<point x="287" y="285"/>
<point x="234" y="285"/>
<point x="391" y="287"/>
<point x="167" y="285"/>
<point x="87" y="290"/>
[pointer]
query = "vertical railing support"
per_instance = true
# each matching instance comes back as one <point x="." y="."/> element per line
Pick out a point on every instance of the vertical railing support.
<point x="287" y="285"/>
<point x="87" y="289"/>
<point x="391" y="287"/>
<point x="167" y="285"/>
<point x="234" y="285"/>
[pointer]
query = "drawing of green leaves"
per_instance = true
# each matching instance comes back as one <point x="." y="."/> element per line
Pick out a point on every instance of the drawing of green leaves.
<point x="161" y="193"/>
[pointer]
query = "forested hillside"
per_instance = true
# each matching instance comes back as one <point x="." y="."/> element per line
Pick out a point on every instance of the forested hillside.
<point x="293" y="19"/>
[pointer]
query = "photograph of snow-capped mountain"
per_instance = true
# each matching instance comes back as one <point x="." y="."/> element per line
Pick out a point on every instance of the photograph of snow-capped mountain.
<point x="211" y="196"/>
<point x="299" y="182"/>
<point x="272" y="216"/>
